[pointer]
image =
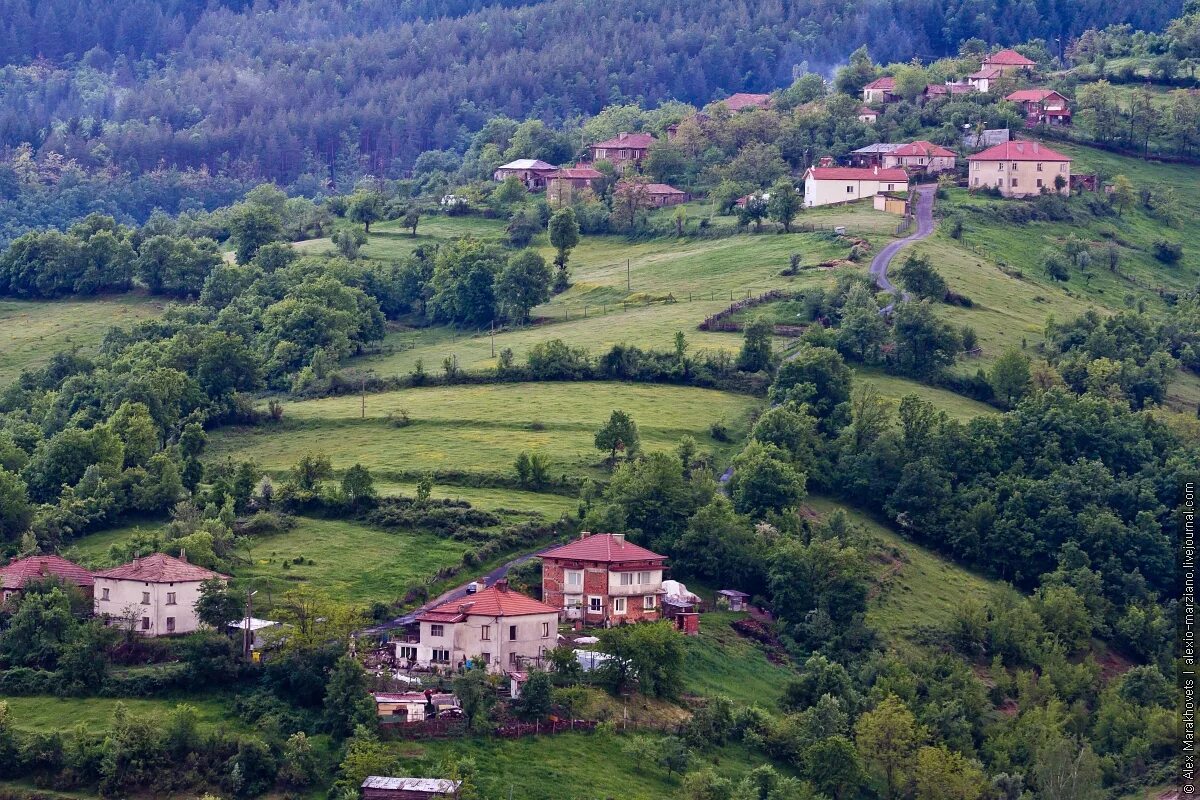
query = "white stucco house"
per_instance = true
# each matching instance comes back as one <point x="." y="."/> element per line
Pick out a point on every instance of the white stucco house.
<point x="827" y="186"/>
<point x="499" y="627"/>
<point x="156" y="595"/>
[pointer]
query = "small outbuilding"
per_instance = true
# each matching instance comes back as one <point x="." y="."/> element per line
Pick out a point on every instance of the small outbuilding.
<point x="379" y="787"/>
<point x="735" y="599"/>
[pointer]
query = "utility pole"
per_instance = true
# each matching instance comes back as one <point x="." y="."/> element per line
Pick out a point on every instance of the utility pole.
<point x="627" y="282"/>
<point x="363" y="411"/>
<point x="246" y="624"/>
<point x="493" y="334"/>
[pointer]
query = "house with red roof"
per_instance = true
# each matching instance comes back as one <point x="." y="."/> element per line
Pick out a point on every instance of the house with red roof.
<point x="880" y="90"/>
<point x="532" y="172"/>
<point x="742" y="101"/>
<point x="564" y="184"/>
<point x="603" y="579"/>
<point x="16" y="575"/>
<point x="623" y="149"/>
<point x="1009" y="61"/>
<point x="1021" y="168"/>
<point x="827" y="186"/>
<point x="661" y="195"/>
<point x="1042" y="106"/>
<point x="497" y="627"/>
<point x="155" y="595"/>
<point x="868" y="115"/>
<point x="920" y="156"/>
<point x="936" y="90"/>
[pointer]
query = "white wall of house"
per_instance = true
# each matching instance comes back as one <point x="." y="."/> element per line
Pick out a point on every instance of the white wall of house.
<point x="929" y="163"/>
<point x="157" y="609"/>
<point x="450" y="643"/>
<point x="831" y="192"/>
<point x="1020" y="178"/>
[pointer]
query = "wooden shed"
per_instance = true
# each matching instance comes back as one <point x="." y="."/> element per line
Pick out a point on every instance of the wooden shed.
<point x="379" y="787"/>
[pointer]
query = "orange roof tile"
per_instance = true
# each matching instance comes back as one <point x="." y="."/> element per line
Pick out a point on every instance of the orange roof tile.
<point x="34" y="568"/>
<point x="1008" y="58"/>
<point x="493" y="602"/>
<point x="1020" y="150"/>
<point x="604" y="547"/>
<point x="159" y="568"/>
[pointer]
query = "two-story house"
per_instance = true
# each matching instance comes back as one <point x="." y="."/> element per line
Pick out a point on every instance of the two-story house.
<point x="623" y="150"/>
<point x="498" y="627"/>
<point x="880" y="91"/>
<point x="922" y="156"/>
<point x="16" y="575"/>
<point x="603" y="579"/>
<point x="156" y="595"/>
<point x="1042" y="106"/>
<point x="1020" y="169"/>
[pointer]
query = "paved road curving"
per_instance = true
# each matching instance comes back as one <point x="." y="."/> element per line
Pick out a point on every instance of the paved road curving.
<point x="883" y="259"/>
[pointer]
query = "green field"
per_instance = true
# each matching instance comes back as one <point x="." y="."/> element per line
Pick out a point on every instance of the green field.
<point x="915" y="588"/>
<point x="895" y="387"/>
<point x="33" y="331"/>
<point x="540" y="504"/>
<point x="43" y="714"/>
<point x="389" y="242"/>
<point x="482" y="429"/>
<point x="720" y="661"/>
<point x="569" y="766"/>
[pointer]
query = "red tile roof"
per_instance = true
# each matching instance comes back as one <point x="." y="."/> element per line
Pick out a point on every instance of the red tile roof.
<point x="1031" y="95"/>
<point x="578" y="173"/>
<point x="743" y="100"/>
<point x="987" y="72"/>
<point x="605" y="547"/>
<point x="887" y="83"/>
<point x="18" y="573"/>
<point x="858" y="174"/>
<point x="662" y="188"/>
<point x="1008" y="58"/>
<point x="1019" y="151"/>
<point x="493" y="602"/>
<point x="634" y="141"/>
<point x="864" y="111"/>
<point x="922" y="148"/>
<point x="159" y="568"/>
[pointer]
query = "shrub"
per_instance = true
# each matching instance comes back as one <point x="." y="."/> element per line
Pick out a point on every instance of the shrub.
<point x="1168" y="252"/>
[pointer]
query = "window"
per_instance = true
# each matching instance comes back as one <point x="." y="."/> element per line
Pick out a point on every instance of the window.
<point x="627" y="579"/>
<point x="618" y="605"/>
<point x="1039" y="167"/>
<point x="485" y="633"/>
<point x="891" y="186"/>
<point x="1039" y="183"/>
<point x="976" y="181"/>
<point x="145" y="598"/>
<point x="1002" y="166"/>
<point x="595" y="604"/>
<point x="170" y="624"/>
<point x="545" y="630"/>
<point x="145" y="623"/>
<point x="1014" y="181"/>
<point x="440" y="656"/>
<point x="485" y="658"/>
<point x="574" y="578"/>
<point x="104" y="594"/>
<point x="574" y="601"/>
<point x="407" y="652"/>
<point x="648" y="602"/>
<point x="1062" y="167"/>
<point x="1014" y="165"/>
<point x="512" y="633"/>
<point x="170" y="598"/>
<point x="849" y="190"/>
<point x="437" y="630"/>
<point x="645" y="577"/>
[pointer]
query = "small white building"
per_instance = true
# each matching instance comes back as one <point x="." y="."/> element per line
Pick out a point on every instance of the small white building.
<point x="262" y="633"/>
<point x="503" y="629"/>
<point x="827" y="186"/>
<point x="156" y="595"/>
<point x="413" y="706"/>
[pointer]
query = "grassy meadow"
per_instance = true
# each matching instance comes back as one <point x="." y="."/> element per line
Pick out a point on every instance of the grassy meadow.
<point x="33" y="331"/>
<point x="44" y="714"/>
<point x="720" y="661"/>
<point x="482" y="429"/>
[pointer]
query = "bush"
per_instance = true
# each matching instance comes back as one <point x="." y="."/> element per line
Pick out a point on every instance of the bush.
<point x="1168" y="252"/>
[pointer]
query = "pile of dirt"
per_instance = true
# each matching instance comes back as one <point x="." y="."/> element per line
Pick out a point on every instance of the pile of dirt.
<point x="762" y="633"/>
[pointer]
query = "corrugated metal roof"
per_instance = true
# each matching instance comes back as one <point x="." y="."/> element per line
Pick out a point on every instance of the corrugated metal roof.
<point x="432" y="785"/>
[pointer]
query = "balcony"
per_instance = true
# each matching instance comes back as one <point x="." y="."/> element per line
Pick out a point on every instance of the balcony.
<point x="635" y="589"/>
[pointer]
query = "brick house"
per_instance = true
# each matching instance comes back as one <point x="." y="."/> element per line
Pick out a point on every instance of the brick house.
<point x="1042" y="106"/>
<point x="501" y="628"/>
<point x="14" y="576"/>
<point x="920" y="156"/>
<point x="623" y="149"/>
<point x="602" y="579"/>
<point x="564" y="184"/>
<point x="1020" y="169"/>
<point x="157" y="594"/>
<point x="880" y="90"/>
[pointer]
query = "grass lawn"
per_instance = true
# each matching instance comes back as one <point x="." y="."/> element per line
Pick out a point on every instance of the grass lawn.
<point x="33" y="331"/>
<point x="722" y="662"/>
<point x="915" y="589"/>
<point x="894" y="387"/>
<point x="389" y="242"/>
<point x="482" y="429"/>
<point x="569" y="766"/>
<point x="540" y="504"/>
<point x="44" y="714"/>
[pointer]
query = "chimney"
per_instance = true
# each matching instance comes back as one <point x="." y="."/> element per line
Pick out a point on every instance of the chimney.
<point x="182" y="554"/>
<point x="826" y="161"/>
<point x="876" y="169"/>
<point x="619" y="538"/>
<point x="1035" y="147"/>
<point x="502" y="585"/>
<point x="622" y="135"/>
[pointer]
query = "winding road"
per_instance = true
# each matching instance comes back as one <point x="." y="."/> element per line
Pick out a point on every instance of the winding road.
<point x="883" y="259"/>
